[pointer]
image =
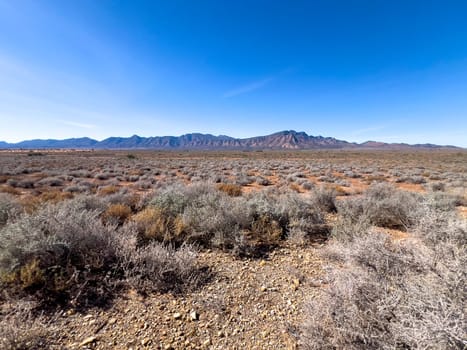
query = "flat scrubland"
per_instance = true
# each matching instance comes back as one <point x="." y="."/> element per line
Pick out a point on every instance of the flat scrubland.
<point x="233" y="250"/>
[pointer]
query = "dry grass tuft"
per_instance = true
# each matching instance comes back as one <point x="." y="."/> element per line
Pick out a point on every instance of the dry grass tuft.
<point x="232" y="190"/>
<point x="116" y="213"/>
<point x="156" y="224"/>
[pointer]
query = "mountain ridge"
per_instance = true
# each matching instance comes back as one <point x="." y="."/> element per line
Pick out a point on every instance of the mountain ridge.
<point x="286" y="140"/>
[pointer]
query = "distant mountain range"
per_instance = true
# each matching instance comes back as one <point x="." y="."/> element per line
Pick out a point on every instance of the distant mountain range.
<point x="288" y="139"/>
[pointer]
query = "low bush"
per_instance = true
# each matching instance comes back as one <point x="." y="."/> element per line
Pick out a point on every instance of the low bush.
<point x="60" y="253"/>
<point x="9" y="189"/>
<point x="202" y="215"/>
<point x="54" y="196"/>
<point x="438" y="187"/>
<point x="392" y="294"/>
<point x="154" y="223"/>
<point x="416" y="180"/>
<point x="158" y="267"/>
<point x="325" y="199"/>
<point x="383" y="205"/>
<point x="231" y="189"/>
<point x="50" y="181"/>
<point x="64" y="254"/>
<point x="8" y="208"/>
<point x="116" y="214"/>
<point x="108" y="190"/>
<point x="19" y="330"/>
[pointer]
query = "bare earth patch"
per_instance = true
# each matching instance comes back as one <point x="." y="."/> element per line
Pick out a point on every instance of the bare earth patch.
<point x="250" y="304"/>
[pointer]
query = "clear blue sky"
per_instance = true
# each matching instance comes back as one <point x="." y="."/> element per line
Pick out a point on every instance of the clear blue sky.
<point x="392" y="71"/>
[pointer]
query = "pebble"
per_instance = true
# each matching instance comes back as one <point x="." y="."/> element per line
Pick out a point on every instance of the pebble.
<point x="194" y="316"/>
<point x="87" y="341"/>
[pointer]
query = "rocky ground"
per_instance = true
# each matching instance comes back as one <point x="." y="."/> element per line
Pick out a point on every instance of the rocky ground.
<point x="248" y="304"/>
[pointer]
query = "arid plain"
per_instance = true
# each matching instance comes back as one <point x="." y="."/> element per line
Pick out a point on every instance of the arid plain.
<point x="233" y="249"/>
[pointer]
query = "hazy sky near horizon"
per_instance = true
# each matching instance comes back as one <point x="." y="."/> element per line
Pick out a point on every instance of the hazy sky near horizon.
<point x="393" y="71"/>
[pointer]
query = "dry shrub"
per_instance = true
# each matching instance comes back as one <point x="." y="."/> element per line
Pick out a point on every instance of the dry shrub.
<point x="266" y="230"/>
<point x="325" y="198"/>
<point x="10" y="190"/>
<point x="158" y="267"/>
<point x="108" y="190"/>
<point x="437" y="186"/>
<point x="199" y="212"/>
<point x="31" y="275"/>
<point x="25" y="184"/>
<point x="59" y="254"/>
<point x="64" y="254"/>
<point x="386" y="294"/>
<point x="416" y="180"/>
<point x="375" y="178"/>
<point x="383" y="205"/>
<point x="345" y="229"/>
<point x="19" y="330"/>
<point x="30" y="203"/>
<point x="131" y="200"/>
<point x="284" y="215"/>
<point x="51" y="181"/>
<point x="208" y="217"/>
<point x="54" y="196"/>
<point x="9" y="208"/>
<point x="232" y="190"/>
<point x="156" y="224"/>
<point x="136" y="172"/>
<point x="116" y="213"/>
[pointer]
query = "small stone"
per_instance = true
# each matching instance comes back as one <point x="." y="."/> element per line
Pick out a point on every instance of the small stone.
<point x="263" y="289"/>
<point x="113" y="320"/>
<point x="177" y="315"/>
<point x="207" y="342"/>
<point x="262" y="263"/>
<point x="168" y="347"/>
<point x="87" y="341"/>
<point x="194" y="316"/>
<point x="70" y="312"/>
<point x="220" y="334"/>
<point x="145" y="341"/>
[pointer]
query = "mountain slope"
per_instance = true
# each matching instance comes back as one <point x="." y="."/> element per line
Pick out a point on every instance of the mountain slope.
<point x="288" y="139"/>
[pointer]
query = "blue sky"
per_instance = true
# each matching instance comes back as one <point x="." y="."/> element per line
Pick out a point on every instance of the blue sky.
<point x="357" y="70"/>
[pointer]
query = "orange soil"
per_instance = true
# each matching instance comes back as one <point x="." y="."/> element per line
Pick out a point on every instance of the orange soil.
<point x="411" y="187"/>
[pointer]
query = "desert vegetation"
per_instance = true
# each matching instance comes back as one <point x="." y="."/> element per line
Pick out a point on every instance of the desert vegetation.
<point x="312" y="250"/>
